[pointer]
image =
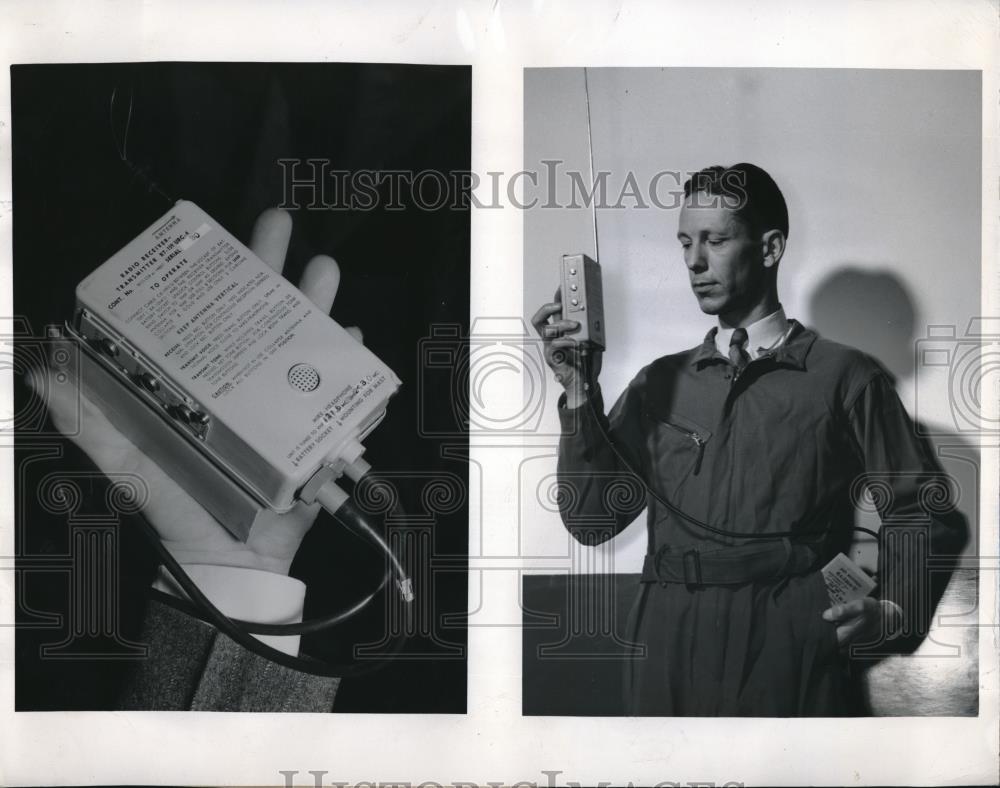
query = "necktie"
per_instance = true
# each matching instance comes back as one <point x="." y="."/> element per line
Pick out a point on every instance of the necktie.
<point x="738" y="356"/>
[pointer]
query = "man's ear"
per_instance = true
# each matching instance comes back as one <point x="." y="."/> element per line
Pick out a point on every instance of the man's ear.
<point x="774" y="247"/>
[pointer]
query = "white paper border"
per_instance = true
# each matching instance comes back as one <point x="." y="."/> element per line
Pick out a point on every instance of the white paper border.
<point x="493" y="743"/>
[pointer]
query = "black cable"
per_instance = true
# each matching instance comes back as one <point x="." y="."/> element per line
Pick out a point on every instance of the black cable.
<point x="869" y="531"/>
<point x="225" y="624"/>
<point x="313" y="625"/>
<point x="239" y="631"/>
<point x="352" y="518"/>
<point x="585" y="369"/>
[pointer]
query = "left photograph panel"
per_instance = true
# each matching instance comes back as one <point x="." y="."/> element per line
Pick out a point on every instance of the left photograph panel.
<point x="241" y="300"/>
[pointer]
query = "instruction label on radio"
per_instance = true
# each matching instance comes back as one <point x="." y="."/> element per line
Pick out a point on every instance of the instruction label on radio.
<point x="216" y="325"/>
<point x="336" y="413"/>
<point x="188" y="303"/>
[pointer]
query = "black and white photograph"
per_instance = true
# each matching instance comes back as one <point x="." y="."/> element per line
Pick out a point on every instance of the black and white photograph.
<point x="764" y="348"/>
<point x="466" y="393"/>
<point x="225" y="499"/>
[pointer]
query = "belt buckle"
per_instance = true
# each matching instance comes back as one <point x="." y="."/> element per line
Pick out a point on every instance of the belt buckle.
<point x="692" y="568"/>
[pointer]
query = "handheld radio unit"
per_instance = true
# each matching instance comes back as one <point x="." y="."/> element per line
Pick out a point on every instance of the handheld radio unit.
<point x="583" y="298"/>
<point x="221" y="370"/>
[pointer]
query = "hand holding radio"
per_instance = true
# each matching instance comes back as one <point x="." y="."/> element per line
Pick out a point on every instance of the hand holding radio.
<point x="187" y="529"/>
<point x="562" y="351"/>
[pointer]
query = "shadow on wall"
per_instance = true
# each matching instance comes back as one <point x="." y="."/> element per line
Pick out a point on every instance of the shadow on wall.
<point x="870" y="310"/>
<point x="874" y="311"/>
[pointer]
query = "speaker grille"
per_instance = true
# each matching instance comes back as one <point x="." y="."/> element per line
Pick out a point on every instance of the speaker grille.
<point x="303" y="377"/>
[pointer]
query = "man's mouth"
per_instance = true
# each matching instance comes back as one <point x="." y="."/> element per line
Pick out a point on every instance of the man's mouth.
<point x="700" y="287"/>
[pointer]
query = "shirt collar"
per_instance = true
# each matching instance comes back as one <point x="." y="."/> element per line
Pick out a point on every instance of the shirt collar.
<point x="765" y="334"/>
<point x="792" y="351"/>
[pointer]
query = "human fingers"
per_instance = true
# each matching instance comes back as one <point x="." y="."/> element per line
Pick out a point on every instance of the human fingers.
<point x="320" y="281"/>
<point x="541" y="318"/>
<point x="850" y="630"/>
<point x="844" y="611"/>
<point x="558" y="328"/>
<point x="560" y="354"/>
<point x="270" y="236"/>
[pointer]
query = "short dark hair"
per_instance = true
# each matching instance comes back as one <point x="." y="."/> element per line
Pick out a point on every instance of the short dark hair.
<point x="748" y="191"/>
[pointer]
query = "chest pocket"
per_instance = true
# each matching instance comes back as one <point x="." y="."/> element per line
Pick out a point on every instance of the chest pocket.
<point x="677" y="447"/>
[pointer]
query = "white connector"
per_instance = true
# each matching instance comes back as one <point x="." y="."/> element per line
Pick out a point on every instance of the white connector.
<point x="357" y="469"/>
<point x="348" y="460"/>
<point x="350" y="451"/>
<point x="322" y="487"/>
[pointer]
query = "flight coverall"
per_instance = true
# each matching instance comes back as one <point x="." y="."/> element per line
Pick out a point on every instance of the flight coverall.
<point x="732" y="625"/>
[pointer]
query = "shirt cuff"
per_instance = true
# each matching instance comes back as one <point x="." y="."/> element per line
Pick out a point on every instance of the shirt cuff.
<point x="563" y="403"/>
<point x="247" y="594"/>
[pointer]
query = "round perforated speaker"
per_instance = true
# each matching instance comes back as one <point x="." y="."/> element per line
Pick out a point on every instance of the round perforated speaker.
<point x="303" y="377"/>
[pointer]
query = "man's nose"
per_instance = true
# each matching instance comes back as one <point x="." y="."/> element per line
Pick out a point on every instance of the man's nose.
<point x="695" y="257"/>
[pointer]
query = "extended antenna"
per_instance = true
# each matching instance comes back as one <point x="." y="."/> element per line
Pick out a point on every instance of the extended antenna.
<point x="590" y="149"/>
<point x="580" y="276"/>
<point x="140" y="173"/>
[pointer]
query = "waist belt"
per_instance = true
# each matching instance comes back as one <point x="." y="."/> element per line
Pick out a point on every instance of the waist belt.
<point x="728" y="565"/>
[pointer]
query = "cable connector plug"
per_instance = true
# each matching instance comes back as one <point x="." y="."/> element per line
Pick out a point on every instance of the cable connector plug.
<point x="345" y="454"/>
<point x="405" y="586"/>
<point x="323" y="487"/>
<point x="356" y="470"/>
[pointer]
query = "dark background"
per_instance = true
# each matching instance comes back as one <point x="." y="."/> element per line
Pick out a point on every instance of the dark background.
<point x="212" y="134"/>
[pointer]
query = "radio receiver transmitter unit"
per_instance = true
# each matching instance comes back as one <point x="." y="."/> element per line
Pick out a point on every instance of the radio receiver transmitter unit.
<point x="221" y="370"/>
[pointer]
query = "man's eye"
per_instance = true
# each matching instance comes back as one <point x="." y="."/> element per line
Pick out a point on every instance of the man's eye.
<point x="685" y="244"/>
<point x="716" y="241"/>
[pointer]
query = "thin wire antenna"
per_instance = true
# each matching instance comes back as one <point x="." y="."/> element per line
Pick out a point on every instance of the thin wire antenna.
<point x="590" y="148"/>
<point x="121" y="145"/>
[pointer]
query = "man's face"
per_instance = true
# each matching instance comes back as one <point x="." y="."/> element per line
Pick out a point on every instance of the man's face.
<point x="725" y="263"/>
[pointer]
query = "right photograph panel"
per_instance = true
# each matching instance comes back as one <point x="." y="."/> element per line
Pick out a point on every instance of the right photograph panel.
<point x="755" y="485"/>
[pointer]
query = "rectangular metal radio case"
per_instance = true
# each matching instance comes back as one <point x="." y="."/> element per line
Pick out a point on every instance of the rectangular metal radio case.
<point x="583" y="298"/>
<point x="220" y="369"/>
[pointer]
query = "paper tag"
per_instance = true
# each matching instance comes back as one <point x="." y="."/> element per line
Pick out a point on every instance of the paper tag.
<point x="845" y="580"/>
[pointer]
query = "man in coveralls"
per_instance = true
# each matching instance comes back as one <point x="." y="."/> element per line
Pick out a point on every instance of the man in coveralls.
<point x="749" y="448"/>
